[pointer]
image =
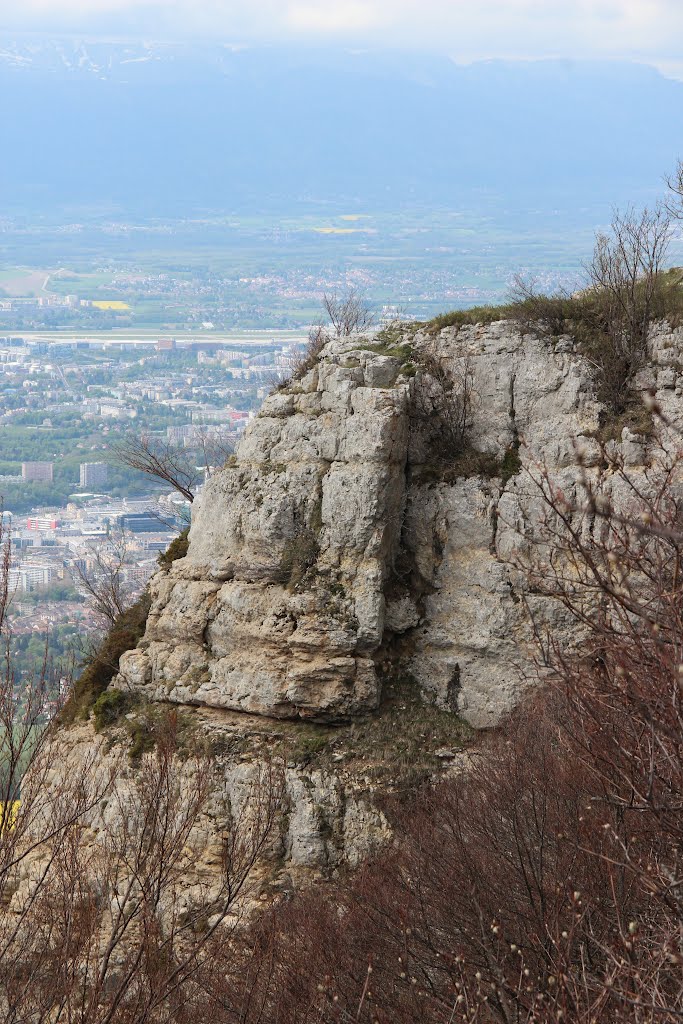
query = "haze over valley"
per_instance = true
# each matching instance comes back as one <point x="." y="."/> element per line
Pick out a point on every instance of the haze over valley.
<point x="233" y="185"/>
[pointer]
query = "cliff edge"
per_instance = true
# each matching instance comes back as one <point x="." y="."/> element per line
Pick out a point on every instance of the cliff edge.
<point x="336" y="540"/>
<point x="354" y="597"/>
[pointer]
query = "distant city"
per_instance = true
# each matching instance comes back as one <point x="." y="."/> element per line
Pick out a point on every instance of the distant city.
<point x="69" y="507"/>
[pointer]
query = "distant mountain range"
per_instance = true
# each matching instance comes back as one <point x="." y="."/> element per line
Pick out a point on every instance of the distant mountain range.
<point x="169" y="127"/>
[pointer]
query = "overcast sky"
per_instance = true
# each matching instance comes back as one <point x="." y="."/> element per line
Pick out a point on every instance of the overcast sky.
<point x="644" y="30"/>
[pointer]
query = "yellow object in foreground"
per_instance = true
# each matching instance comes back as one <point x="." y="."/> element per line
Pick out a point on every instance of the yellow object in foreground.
<point x="8" y="819"/>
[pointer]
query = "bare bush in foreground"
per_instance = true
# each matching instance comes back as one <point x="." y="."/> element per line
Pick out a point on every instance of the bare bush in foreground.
<point x="102" y="578"/>
<point x="546" y="883"/>
<point x="113" y="930"/>
<point x="675" y="184"/>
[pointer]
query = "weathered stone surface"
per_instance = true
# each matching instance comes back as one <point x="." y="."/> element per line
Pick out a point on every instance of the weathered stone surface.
<point x="279" y="605"/>
<point x="331" y="555"/>
<point x="288" y="597"/>
<point x="323" y="822"/>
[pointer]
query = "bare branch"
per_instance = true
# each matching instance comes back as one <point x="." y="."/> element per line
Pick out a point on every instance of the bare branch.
<point x="161" y="461"/>
<point x="102" y="579"/>
<point x="348" y="314"/>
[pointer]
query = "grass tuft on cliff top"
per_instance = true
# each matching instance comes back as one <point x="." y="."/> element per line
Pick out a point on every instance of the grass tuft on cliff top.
<point x="580" y="315"/>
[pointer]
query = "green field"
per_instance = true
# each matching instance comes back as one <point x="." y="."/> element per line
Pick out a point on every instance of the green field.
<point x="20" y="282"/>
<point x="269" y="270"/>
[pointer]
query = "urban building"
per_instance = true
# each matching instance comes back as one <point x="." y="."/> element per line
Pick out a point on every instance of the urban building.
<point x="41" y="523"/>
<point x="176" y="435"/>
<point x="41" y="472"/>
<point x="93" y="474"/>
<point x="28" y="577"/>
<point x="140" y="522"/>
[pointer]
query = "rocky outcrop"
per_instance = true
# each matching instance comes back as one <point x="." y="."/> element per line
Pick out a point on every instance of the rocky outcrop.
<point x="278" y="608"/>
<point x="533" y="402"/>
<point x="349" y="598"/>
<point x="331" y="540"/>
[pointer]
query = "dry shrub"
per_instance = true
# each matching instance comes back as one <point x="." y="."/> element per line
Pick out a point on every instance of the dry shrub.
<point x="307" y="359"/>
<point x="441" y="405"/>
<point x="299" y="556"/>
<point x="626" y="290"/>
<point x="103" y="664"/>
<point x="348" y="313"/>
<point x="546" y="883"/>
<point x="108" y="931"/>
<point x="345" y="315"/>
<point x="178" y="548"/>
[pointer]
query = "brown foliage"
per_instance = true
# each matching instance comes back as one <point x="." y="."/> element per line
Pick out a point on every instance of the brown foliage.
<point x="107" y="931"/>
<point x="306" y="360"/>
<point x="544" y="884"/>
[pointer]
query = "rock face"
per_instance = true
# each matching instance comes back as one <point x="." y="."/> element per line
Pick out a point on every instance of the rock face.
<point x="351" y="594"/>
<point x="472" y="647"/>
<point x="329" y="543"/>
<point x="327" y="817"/>
<point x="278" y="608"/>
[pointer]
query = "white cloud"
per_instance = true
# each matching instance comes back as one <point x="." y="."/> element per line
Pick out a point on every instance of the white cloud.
<point x="54" y="9"/>
<point x="649" y="30"/>
<point x="332" y="17"/>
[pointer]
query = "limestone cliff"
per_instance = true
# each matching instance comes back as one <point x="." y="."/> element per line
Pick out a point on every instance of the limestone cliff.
<point x="330" y="534"/>
<point x="347" y="599"/>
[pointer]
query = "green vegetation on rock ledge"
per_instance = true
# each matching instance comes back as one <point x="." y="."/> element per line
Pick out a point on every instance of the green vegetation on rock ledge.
<point x="109" y="707"/>
<point x="635" y="416"/>
<point x="90" y="689"/>
<point x="398" y="747"/>
<point x="99" y="671"/>
<point x="470" y="463"/>
<point x="609" y="321"/>
<point x="581" y="314"/>
<point x="178" y="548"/>
<point x="396" y="347"/>
<point x="128" y="718"/>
